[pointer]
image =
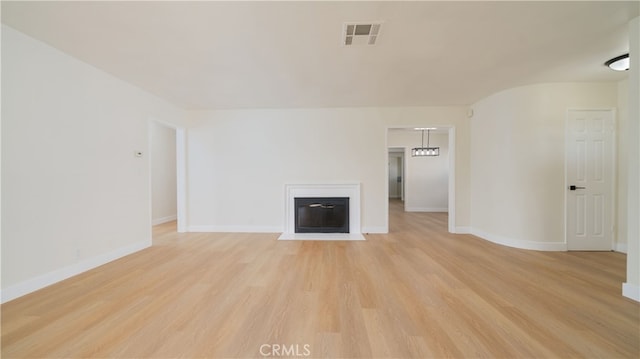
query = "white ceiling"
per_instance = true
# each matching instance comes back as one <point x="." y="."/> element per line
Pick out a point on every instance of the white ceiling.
<point x="212" y="55"/>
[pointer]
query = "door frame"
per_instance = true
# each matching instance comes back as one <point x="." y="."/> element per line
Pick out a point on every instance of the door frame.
<point x="614" y="170"/>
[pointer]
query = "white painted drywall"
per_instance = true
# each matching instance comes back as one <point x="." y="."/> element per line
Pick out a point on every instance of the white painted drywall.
<point x="622" y="165"/>
<point x="517" y="161"/>
<point x="73" y="193"/>
<point x="631" y="287"/>
<point x="427" y="178"/>
<point x="239" y="161"/>
<point x="163" y="173"/>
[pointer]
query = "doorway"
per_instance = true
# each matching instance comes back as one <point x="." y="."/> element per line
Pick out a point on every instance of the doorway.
<point x="167" y="174"/>
<point x="424" y="198"/>
<point x="590" y="175"/>
<point x="164" y="207"/>
<point x="396" y="173"/>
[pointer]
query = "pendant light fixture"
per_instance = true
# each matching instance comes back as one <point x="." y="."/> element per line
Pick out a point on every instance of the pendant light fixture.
<point x="425" y="151"/>
<point x="619" y="63"/>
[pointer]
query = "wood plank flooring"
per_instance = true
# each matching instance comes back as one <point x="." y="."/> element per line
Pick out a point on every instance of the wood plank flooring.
<point x="417" y="292"/>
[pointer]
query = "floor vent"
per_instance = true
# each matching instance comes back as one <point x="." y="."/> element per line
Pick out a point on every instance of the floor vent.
<point x="360" y="33"/>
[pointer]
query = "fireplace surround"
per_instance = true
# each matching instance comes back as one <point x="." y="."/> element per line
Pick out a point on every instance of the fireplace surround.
<point x="322" y="190"/>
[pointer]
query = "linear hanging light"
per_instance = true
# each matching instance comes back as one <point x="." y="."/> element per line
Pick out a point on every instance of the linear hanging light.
<point x="425" y="151"/>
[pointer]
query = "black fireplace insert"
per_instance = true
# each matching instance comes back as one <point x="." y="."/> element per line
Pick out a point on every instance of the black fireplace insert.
<point x="322" y="214"/>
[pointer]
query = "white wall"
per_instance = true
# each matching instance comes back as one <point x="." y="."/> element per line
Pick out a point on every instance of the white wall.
<point x="517" y="161"/>
<point x="74" y="196"/>
<point x="622" y="165"/>
<point x="631" y="288"/>
<point x="427" y="178"/>
<point x="163" y="173"/>
<point x="240" y="160"/>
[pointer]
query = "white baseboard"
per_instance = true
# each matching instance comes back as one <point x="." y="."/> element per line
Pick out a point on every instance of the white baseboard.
<point x="47" y="279"/>
<point x="162" y="220"/>
<point x="621" y="247"/>
<point x="517" y="243"/>
<point x="426" y="209"/>
<point x="236" y="229"/>
<point x="375" y="230"/>
<point x="631" y="291"/>
<point x="264" y="229"/>
<point x="462" y="230"/>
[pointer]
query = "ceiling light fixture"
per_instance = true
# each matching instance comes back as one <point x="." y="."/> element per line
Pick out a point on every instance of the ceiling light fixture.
<point x="425" y="151"/>
<point x="620" y="63"/>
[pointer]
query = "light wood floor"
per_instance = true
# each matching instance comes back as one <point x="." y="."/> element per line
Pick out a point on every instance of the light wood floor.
<point x="416" y="292"/>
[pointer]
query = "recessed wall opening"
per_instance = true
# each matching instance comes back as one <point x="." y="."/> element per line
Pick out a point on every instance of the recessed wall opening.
<point x="396" y="173"/>
<point x="426" y="183"/>
<point x="167" y="175"/>
<point x="162" y="156"/>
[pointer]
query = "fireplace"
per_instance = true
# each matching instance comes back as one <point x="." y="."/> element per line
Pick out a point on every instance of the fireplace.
<point x="321" y="215"/>
<point x="322" y="194"/>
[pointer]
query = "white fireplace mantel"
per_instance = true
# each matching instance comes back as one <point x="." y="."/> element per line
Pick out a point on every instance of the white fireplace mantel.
<point x="350" y="190"/>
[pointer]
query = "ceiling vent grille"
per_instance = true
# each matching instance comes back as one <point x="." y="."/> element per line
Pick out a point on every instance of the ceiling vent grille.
<point x="360" y="33"/>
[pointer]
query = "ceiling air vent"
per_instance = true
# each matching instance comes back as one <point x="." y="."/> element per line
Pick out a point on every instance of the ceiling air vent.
<point x="360" y="33"/>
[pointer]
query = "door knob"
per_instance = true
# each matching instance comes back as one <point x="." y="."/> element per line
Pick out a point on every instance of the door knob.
<point x="574" y="187"/>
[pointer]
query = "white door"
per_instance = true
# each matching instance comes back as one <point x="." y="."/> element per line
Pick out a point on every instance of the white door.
<point x="589" y="176"/>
